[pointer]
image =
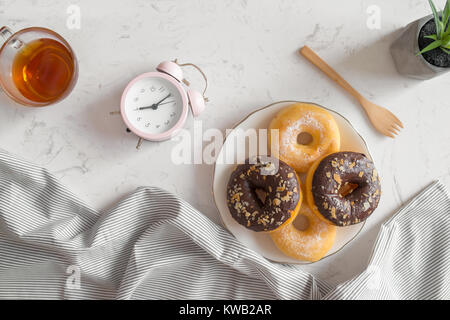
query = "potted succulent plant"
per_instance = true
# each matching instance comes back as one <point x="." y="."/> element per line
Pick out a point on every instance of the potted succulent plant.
<point x="422" y="50"/>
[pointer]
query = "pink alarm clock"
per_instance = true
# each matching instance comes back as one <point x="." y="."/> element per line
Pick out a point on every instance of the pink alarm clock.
<point x="154" y="105"/>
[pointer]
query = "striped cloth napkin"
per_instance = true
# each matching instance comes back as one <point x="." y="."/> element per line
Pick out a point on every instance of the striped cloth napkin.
<point x="153" y="245"/>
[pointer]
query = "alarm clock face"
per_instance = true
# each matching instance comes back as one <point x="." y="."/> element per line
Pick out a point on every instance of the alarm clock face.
<point x="154" y="106"/>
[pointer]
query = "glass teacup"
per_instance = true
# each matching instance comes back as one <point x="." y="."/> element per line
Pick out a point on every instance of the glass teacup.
<point x="37" y="66"/>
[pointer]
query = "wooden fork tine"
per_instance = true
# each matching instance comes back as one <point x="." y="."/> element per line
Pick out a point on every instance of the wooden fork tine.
<point x="396" y="120"/>
<point x="395" y="126"/>
<point x="388" y="133"/>
<point x="394" y="129"/>
<point x="398" y="127"/>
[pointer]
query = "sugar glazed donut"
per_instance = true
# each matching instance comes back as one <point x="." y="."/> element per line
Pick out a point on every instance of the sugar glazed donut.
<point x="343" y="188"/>
<point x="263" y="194"/>
<point x="310" y="244"/>
<point x="304" y="120"/>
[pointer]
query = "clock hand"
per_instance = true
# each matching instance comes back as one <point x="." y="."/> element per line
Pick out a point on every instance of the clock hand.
<point x="164" y="98"/>
<point x="152" y="106"/>
<point x="155" y="105"/>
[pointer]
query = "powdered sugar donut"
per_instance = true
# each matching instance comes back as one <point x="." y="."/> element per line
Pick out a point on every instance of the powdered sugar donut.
<point x="310" y="244"/>
<point x="305" y="133"/>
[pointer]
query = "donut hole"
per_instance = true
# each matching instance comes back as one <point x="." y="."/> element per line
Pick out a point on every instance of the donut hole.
<point x="261" y="195"/>
<point x="301" y="222"/>
<point x="347" y="188"/>
<point x="304" y="138"/>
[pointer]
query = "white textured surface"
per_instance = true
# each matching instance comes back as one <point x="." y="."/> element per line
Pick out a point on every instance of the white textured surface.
<point x="248" y="50"/>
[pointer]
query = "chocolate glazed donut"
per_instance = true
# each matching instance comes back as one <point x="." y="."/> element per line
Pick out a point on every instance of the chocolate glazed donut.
<point x="346" y="188"/>
<point x="262" y="198"/>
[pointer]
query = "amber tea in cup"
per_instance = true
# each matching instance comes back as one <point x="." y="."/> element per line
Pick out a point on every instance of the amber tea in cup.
<point x="37" y="66"/>
<point x="42" y="70"/>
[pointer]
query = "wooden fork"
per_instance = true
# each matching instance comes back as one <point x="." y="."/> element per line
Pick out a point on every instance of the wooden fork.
<point x="383" y="120"/>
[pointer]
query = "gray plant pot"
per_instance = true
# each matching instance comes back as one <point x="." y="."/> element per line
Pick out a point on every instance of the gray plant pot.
<point x="404" y="50"/>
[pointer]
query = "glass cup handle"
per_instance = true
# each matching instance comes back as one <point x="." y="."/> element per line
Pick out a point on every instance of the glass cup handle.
<point x="5" y="34"/>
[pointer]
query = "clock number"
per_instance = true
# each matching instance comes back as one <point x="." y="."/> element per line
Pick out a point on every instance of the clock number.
<point x="147" y="124"/>
<point x="162" y="89"/>
<point x="139" y="119"/>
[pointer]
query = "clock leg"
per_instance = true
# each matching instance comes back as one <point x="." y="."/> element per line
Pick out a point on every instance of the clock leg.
<point x="138" y="146"/>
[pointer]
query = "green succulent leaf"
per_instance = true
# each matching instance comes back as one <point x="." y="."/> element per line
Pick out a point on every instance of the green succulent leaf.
<point x="445" y="50"/>
<point x="435" y="44"/>
<point x="446" y="33"/>
<point x="446" y="18"/>
<point x="442" y="28"/>
<point x="437" y="21"/>
<point x="432" y="36"/>
<point x="446" y="42"/>
<point x="446" y="13"/>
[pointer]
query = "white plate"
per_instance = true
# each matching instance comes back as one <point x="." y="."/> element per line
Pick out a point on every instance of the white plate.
<point x="261" y="242"/>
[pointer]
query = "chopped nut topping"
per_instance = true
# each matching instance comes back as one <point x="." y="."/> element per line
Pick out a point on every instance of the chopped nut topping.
<point x="366" y="205"/>
<point x="374" y="175"/>
<point x="333" y="212"/>
<point x="337" y="178"/>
